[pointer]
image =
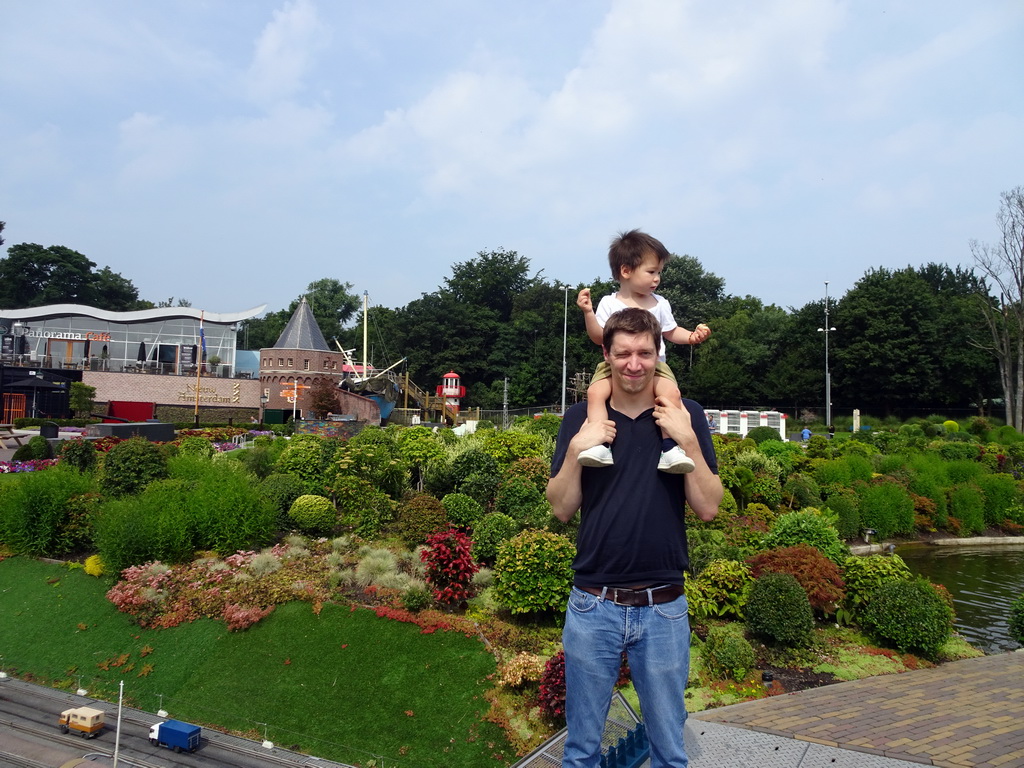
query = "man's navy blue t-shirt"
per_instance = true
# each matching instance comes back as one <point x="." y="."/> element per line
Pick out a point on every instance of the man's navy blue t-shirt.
<point x="631" y="520"/>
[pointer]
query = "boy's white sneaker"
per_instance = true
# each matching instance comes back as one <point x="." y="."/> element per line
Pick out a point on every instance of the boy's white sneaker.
<point x="675" y="462"/>
<point x="598" y="456"/>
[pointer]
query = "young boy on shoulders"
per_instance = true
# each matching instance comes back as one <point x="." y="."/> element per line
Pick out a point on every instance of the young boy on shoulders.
<point x="636" y="260"/>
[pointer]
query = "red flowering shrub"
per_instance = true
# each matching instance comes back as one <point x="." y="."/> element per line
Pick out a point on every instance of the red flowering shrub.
<point x="819" y="577"/>
<point x="450" y="565"/>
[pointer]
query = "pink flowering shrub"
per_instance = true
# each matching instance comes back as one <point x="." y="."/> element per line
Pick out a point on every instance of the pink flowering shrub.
<point x="239" y="617"/>
<point x="7" y="467"/>
<point x="241" y="589"/>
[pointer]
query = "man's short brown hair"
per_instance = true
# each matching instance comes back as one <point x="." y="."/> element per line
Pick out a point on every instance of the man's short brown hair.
<point x="630" y="248"/>
<point x="633" y="321"/>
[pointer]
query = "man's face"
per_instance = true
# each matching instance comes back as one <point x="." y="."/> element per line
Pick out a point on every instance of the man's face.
<point x="632" y="358"/>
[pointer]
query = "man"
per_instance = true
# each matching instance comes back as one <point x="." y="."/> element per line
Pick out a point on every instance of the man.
<point x="631" y="548"/>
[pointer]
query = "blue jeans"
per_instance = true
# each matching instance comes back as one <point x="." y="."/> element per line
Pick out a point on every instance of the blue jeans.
<point x="657" y="641"/>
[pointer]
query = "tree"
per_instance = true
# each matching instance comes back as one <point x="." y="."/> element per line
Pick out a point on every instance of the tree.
<point x="885" y="355"/>
<point x="695" y="295"/>
<point x="82" y="397"/>
<point x="34" y="276"/>
<point x="331" y="302"/>
<point x="323" y="396"/>
<point x="967" y="373"/>
<point x="1002" y="264"/>
<point x="485" y="321"/>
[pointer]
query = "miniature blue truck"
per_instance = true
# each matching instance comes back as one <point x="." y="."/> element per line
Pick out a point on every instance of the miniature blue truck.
<point x="175" y="735"/>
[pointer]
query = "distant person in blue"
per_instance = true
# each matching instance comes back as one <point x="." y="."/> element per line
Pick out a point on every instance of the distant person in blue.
<point x="631" y="552"/>
<point x="805" y="435"/>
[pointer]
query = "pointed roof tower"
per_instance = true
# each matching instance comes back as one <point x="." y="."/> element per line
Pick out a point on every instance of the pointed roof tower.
<point x="302" y="331"/>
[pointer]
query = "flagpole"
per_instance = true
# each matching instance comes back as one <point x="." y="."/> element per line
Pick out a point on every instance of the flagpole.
<point x="199" y="363"/>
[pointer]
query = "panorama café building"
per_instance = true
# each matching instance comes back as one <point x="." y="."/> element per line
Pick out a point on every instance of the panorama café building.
<point x="153" y="356"/>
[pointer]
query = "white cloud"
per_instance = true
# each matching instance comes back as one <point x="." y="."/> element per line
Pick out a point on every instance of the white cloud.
<point x="284" y="53"/>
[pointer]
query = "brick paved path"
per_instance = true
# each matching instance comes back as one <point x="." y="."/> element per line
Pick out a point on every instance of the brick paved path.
<point x="963" y="714"/>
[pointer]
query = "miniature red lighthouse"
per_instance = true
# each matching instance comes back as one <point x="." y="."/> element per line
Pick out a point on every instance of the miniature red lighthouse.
<point x="451" y="391"/>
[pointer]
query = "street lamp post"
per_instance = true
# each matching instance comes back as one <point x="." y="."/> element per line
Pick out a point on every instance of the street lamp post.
<point x="565" y="338"/>
<point x="828" y="376"/>
<point x="263" y="408"/>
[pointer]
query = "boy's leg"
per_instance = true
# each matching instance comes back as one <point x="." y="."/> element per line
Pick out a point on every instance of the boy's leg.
<point x="598" y="394"/>
<point x="673" y="458"/>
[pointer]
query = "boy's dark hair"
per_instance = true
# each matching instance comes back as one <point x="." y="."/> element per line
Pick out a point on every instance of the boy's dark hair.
<point x="634" y="321"/>
<point x="630" y="248"/>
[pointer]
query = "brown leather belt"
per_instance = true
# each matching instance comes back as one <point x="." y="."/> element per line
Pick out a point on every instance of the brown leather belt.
<point x="664" y="593"/>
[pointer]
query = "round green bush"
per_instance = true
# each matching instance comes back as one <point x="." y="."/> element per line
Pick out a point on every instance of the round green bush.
<point x="362" y="507"/>
<point x="416" y="599"/>
<point x="727" y="654"/>
<point x="720" y="590"/>
<point x="761" y="434"/>
<point x="519" y="498"/>
<point x="196" y="446"/>
<point x="778" y="609"/>
<point x="23" y="452"/>
<point x="418" y="517"/>
<point x="801" y="491"/>
<point x="282" y="490"/>
<point x="472" y="462"/>
<point x="806" y="527"/>
<point x="305" y="458"/>
<point x="462" y="510"/>
<point x="313" y="514"/>
<point x="131" y="465"/>
<point x="482" y="486"/>
<point x="79" y="454"/>
<point x="533" y="572"/>
<point x="39" y="448"/>
<point x="1017" y="620"/>
<point x="490" y="532"/>
<point x="979" y="426"/>
<point x="844" y="504"/>
<point x="258" y="460"/>
<point x="864" y="575"/>
<point x="909" y="616"/>
<point x="950" y="426"/>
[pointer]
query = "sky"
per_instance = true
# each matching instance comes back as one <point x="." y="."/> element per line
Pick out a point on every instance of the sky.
<point x="231" y="153"/>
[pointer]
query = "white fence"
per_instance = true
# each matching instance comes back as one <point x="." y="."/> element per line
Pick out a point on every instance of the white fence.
<point x="741" y="422"/>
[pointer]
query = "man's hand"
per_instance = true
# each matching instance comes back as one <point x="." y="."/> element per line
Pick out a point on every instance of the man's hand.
<point x="583" y="300"/>
<point x="672" y="417"/>
<point x="564" y="490"/>
<point x="591" y="434"/>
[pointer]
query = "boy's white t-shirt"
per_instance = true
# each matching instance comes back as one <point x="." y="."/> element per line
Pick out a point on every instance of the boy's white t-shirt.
<point x="609" y="305"/>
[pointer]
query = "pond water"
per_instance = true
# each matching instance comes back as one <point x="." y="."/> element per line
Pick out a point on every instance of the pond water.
<point x="984" y="581"/>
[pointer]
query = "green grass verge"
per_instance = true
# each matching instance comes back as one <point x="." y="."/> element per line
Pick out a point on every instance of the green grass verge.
<point x="344" y="684"/>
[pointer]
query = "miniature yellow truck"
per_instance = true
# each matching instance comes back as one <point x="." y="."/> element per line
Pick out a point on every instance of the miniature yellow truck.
<point x="85" y="721"/>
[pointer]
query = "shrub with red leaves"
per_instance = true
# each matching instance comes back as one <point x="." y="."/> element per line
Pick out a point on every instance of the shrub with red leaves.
<point x="450" y="565"/>
<point x="551" y="698"/>
<point x="819" y="576"/>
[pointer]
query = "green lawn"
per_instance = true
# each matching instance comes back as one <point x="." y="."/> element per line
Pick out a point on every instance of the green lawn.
<point x="344" y="684"/>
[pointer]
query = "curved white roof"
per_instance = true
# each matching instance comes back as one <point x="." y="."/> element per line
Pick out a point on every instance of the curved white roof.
<point x="138" y="316"/>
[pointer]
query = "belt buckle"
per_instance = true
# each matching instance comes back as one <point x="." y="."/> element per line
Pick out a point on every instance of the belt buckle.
<point x="632" y="593"/>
